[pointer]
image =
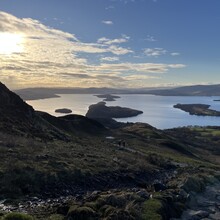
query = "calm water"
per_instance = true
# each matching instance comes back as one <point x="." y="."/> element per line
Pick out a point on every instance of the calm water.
<point x="158" y="110"/>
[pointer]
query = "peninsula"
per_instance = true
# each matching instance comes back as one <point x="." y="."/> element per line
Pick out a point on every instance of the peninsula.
<point x="197" y="109"/>
<point x="100" y="110"/>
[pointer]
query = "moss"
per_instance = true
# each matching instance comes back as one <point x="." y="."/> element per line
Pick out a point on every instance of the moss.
<point x="93" y="205"/>
<point x="194" y="183"/>
<point x="56" y="217"/>
<point x="107" y="210"/>
<point x="151" y="210"/>
<point x="17" y="216"/>
<point x="82" y="213"/>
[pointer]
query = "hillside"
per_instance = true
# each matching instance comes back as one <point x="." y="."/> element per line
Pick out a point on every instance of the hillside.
<point x="195" y="90"/>
<point x="73" y="167"/>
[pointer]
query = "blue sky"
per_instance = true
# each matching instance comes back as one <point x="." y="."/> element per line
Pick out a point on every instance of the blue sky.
<point x="115" y="43"/>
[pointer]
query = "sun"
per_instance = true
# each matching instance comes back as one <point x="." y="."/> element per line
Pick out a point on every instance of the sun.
<point x="10" y="43"/>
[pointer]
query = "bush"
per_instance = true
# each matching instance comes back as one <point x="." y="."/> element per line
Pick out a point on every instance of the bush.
<point x="17" y="216"/>
<point x="151" y="210"/>
<point x="56" y="217"/>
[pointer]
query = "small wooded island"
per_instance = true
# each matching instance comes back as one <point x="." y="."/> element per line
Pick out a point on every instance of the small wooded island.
<point x="197" y="109"/>
<point x="63" y="111"/>
<point x="108" y="97"/>
<point x="100" y="110"/>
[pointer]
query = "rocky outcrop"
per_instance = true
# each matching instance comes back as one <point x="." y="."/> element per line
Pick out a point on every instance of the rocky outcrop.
<point x="63" y="111"/>
<point x="197" y="109"/>
<point x="100" y="110"/>
<point x="108" y="97"/>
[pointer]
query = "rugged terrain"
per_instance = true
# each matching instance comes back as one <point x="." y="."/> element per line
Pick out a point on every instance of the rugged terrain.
<point x="73" y="167"/>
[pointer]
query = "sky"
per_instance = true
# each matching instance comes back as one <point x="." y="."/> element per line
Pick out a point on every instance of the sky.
<point x="109" y="43"/>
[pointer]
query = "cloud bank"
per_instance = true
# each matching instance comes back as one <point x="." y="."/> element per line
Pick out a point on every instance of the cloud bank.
<point x="51" y="57"/>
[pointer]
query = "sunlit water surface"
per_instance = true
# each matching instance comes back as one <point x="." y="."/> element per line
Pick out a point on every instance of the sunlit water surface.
<point x="158" y="110"/>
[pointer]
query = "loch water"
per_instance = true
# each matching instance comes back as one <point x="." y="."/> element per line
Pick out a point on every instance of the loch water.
<point x="158" y="110"/>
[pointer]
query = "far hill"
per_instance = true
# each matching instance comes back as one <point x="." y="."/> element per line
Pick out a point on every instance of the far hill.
<point x="195" y="90"/>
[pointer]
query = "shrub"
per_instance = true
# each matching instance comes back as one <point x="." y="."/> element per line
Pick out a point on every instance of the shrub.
<point x="17" y="216"/>
<point x="151" y="210"/>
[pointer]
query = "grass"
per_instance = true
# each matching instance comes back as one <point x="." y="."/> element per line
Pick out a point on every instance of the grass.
<point x="17" y="216"/>
<point x="31" y="166"/>
<point x="151" y="210"/>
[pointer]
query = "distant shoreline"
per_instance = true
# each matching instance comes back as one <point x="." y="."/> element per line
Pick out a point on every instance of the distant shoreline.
<point x="44" y="93"/>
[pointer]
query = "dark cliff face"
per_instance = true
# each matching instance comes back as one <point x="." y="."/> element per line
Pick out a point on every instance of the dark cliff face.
<point x="16" y="116"/>
<point x="19" y="118"/>
<point x="12" y="105"/>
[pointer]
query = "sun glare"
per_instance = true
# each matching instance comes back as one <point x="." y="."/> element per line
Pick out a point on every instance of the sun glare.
<point x="10" y="43"/>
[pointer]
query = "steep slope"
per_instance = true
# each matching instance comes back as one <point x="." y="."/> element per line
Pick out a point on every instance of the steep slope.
<point x="18" y="118"/>
<point x="15" y="115"/>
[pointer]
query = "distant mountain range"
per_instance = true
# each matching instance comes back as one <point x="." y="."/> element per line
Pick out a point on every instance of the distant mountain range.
<point x="195" y="90"/>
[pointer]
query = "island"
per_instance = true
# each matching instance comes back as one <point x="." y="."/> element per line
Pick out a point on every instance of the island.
<point x="197" y="109"/>
<point x="108" y="97"/>
<point x="216" y="100"/>
<point x="100" y="110"/>
<point x="63" y="111"/>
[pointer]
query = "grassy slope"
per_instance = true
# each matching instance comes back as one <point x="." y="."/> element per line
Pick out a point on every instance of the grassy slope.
<point x="84" y="161"/>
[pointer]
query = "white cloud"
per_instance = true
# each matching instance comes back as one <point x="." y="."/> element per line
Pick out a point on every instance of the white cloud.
<point x="108" y="22"/>
<point x="154" y="52"/>
<point x="110" y="7"/>
<point x="119" y="50"/>
<point x="136" y="67"/>
<point x="104" y="40"/>
<point x="51" y="57"/>
<point x="109" y="59"/>
<point x="150" y="38"/>
<point x="175" y="54"/>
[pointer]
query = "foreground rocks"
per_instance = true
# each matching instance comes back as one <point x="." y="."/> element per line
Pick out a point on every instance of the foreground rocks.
<point x="203" y="205"/>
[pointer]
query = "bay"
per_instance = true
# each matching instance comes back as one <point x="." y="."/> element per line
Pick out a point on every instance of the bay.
<point x="158" y="110"/>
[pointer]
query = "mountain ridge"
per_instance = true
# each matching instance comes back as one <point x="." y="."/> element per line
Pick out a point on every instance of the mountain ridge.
<point x="194" y="90"/>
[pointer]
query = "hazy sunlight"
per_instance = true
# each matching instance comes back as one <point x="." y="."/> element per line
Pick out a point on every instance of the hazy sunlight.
<point x="10" y="43"/>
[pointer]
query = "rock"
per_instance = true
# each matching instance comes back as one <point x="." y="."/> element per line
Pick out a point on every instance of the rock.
<point x="194" y="215"/>
<point x="143" y="194"/>
<point x="82" y="213"/>
<point x="159" y="187"/>
<point x="120" y="215"/>
<point x="63" y="110"/>
<point x="63" y="210"/>
<point x="183" y="194"/>
<point x="215" y="216"/>
<point x="93" y="196"/>
<point x="100" y="110"/>
<point x="108" y="97"/>
<point x="193" y="184"/>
